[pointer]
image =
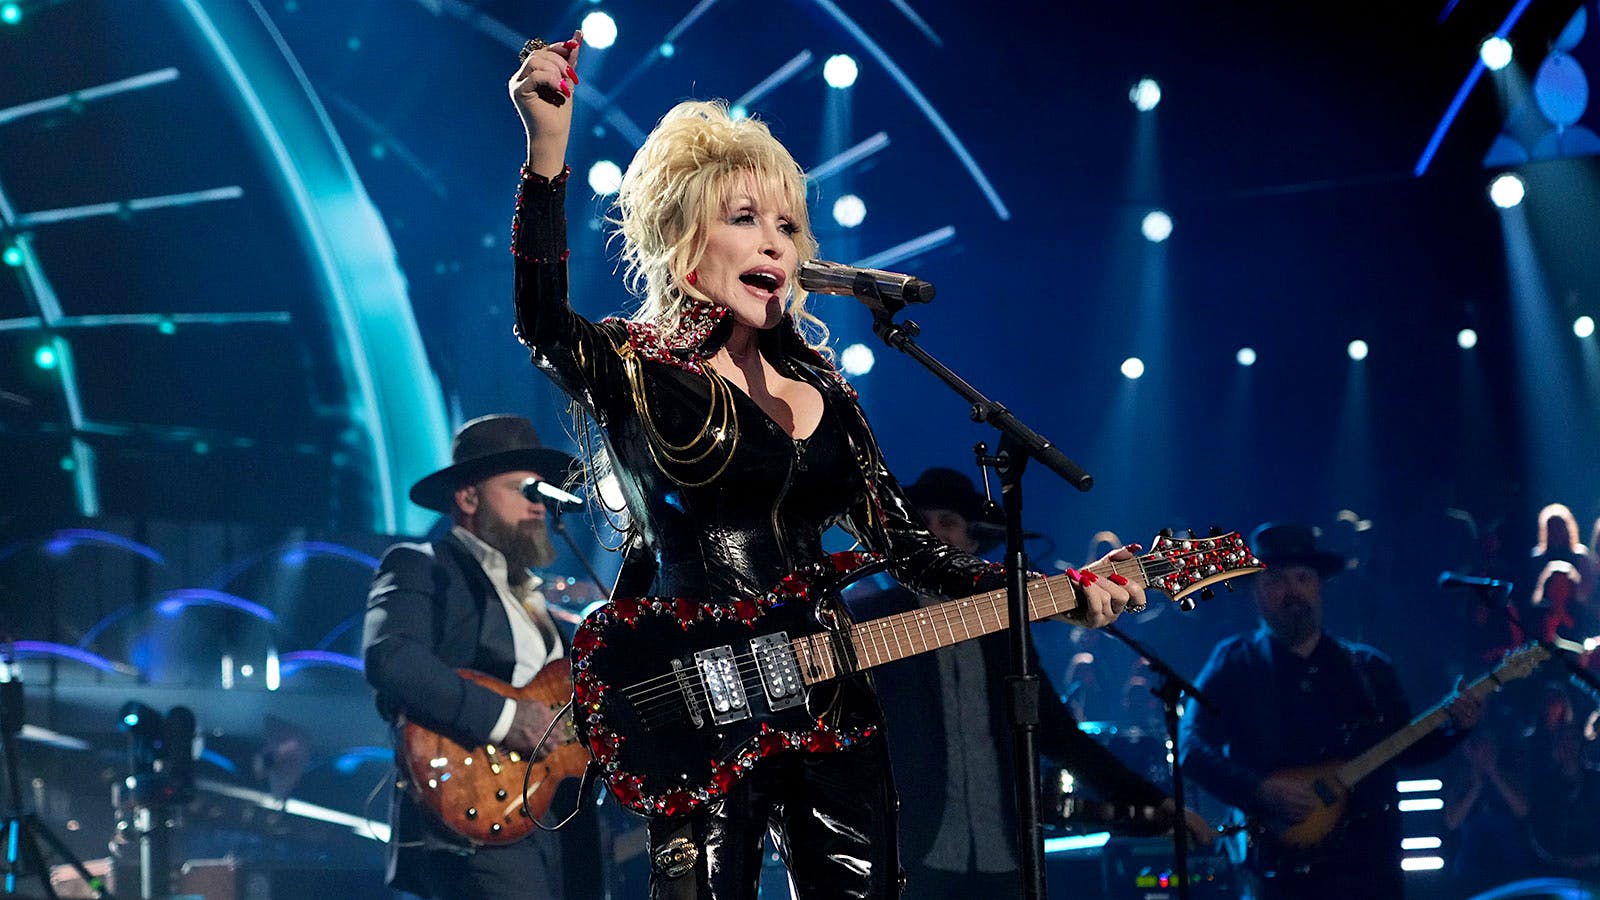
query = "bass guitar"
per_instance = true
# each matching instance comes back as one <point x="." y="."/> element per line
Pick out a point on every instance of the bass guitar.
<point x="678" y="700"/>
<point x="477" y="792"/>
<point x="1333" y="782"/>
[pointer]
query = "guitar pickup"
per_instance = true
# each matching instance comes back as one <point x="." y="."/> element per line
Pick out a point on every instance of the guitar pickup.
<point x="724" y="687"/>
<point x="780" y="671"/>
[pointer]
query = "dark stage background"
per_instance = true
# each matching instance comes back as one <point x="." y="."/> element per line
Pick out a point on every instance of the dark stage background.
<point x="256" y="269"/>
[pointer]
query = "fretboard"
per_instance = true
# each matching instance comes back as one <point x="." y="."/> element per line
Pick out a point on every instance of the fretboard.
<point x="866" y="644"/>
<point x="1420" y="727"/>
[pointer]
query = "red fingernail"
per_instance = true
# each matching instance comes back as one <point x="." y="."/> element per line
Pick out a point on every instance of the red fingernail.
<point x="572" y="74"/>
<point x="1073" y="574"/>
<point x="1133" y="548"/>
<point x="570" y="45"/>
<point x="564" y="89"/>
<point x="1118" y="580"/>
<point x="1089" y="577"/>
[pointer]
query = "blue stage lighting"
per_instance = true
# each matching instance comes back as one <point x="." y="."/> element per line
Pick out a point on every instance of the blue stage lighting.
<point x="1507" y="191"/>
<point x="1466" y="339"/>
<point x="1145" y="95"/>
<point x="1246" y="356"/>
<point x="840" y="71"/>
<point x="45" y="357"/>
<point x="739" y="112"/>
<point x="857" y="359"/>
<point x="599" y="30"/>
<point x="1583" y="326"/>
<point x="11" y="13"/>
<point x="605" y="177"/>
<point x="1357" y="350"/>
<point x="849" y="210"/>
<point x="1157" y="226"/>
<point x="13" y="257"/>
<point x="1132" y="368"/>
<point x="666" y="49"/>
<point x="1495" y="53"/>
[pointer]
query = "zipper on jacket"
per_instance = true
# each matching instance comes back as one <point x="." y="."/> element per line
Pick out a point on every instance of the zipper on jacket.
<point x="799" y="446"/>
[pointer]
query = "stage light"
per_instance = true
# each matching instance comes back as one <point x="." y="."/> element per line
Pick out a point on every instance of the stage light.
<point x="739" y="112"/>
<point x="1495" y="53"/>
<point x="1583" y="326"/>
<point x="1422" y="863"/>
<point x="13" y="257"/>
<point x="599" y="30"/>
<point x="11" y="13"/>
<point x="1357" y="350"/>
<point x="167" y="326"/>
<point x="1466" y="339"/>
<point x="666" y="49"/>
<point x="1145" y="95"/>
<point x="1132" y="368"/>
<point x="1246" y="356"/>
<point x="605" y="177"/>
<point x="1157" y="226"/>
<point x="857" y="359"/>
<point x="45" y="357"/>
<point x="849" y="210"/>
<point x="1507" y="191"/>
<point x="840" y="71"/>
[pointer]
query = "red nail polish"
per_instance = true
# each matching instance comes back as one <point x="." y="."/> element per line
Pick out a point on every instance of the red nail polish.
<point x="572" y="74"/>
<point x="570" y="45"/>
<point x="1117" y="580"/>
<point x="564" y="89"/>
<point x="1089" y="577"/>
<point x="1074" y="575"/>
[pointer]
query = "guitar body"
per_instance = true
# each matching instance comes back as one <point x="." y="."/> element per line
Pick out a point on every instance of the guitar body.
<point x="679" y="699"/>
<point x="1333" y="798"/>
<point x="477" y="791"/>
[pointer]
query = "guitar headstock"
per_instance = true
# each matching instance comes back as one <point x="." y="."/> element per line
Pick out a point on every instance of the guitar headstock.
<point x="1521" y="662"/>
<point x="1182" y="567"/>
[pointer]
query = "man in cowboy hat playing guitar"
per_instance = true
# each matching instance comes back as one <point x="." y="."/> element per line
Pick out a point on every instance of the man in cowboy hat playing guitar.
<point x="1294" y="696"/>
<point x="470" y="601"/>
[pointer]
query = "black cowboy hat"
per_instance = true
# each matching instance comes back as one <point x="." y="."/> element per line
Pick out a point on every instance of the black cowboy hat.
<point x="488" y="446"/>
<point x="1292" y="544"/>
<point x="941" y="488"/>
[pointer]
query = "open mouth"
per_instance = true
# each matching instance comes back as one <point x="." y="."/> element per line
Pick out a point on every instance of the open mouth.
<point x="762" y="280"/>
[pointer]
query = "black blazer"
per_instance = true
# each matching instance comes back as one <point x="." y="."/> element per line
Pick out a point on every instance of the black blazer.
<point x="431" y="610"/>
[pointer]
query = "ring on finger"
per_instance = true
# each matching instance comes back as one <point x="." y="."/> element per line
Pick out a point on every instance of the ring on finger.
<point x="531" y="47"/>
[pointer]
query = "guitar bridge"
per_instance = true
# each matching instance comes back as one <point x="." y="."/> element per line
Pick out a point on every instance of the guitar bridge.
<point x="686" y="687"/>
<point x="724" y="687"/>
<point x="780" y="671"/>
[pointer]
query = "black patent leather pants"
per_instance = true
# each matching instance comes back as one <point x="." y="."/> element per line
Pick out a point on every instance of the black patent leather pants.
<point x="832" y="818"/>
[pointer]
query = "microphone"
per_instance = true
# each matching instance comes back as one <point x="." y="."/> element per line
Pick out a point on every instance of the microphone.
<point x="550" y="495"/>
<point x="883" y="292"/>
<point x="1456" y="581"/>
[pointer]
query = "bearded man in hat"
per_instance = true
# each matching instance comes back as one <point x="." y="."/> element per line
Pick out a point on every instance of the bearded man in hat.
<point x="1292" y="695"/>
<point x="949" y="733"/>
<point x="470" y="600"/>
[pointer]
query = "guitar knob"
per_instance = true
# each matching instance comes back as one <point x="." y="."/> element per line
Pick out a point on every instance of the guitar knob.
<point x="1192" y="535"/>
<point x="1216" y="531"/>
<point x="1166" y="532"/>
<point x="1228" y="585"/>
<point x="1208" y="594"/>
<point x="1186" y="604"/>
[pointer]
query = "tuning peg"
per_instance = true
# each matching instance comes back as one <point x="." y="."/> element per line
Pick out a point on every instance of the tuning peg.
<point x="1216" y="531"/>
<point x="1166" y="533"/>
<point x="1192" y="535"/>
<point x="1186" y="604"/>
<point x="1208" y="594"/>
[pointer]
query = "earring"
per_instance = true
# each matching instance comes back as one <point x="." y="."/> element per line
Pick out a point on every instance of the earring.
<point x="692" y="278"/>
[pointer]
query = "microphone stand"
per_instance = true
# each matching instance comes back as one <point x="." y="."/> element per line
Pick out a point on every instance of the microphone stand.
<point x="1560" y="649"/>
<point x="1171" y="691"/>
<point x="1018" y="444"/>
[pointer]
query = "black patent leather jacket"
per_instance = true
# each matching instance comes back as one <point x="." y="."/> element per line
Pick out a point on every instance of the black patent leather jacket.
<point x="772" y="497"/>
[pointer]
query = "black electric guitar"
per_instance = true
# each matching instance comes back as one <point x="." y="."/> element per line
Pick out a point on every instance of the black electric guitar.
<point x="677" y="699"/>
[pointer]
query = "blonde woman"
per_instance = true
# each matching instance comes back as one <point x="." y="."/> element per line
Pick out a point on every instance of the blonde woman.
<point x="736" y="444"/>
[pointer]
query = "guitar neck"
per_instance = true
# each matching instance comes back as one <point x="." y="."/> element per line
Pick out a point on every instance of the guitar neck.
<point x="1420" y="727"/>
<point x="884" y="640"/>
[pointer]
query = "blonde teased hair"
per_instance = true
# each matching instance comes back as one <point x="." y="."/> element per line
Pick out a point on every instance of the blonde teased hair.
<point x="678" y="183"/>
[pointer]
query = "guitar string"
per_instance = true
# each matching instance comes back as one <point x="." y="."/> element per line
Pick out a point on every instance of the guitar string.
<point x="665" y="703"/>
<point x="747" y="664"/>
<point x="667" y="686"/>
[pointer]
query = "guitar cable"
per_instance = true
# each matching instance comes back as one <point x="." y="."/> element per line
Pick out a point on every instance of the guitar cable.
<point x="583" y="784"/>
